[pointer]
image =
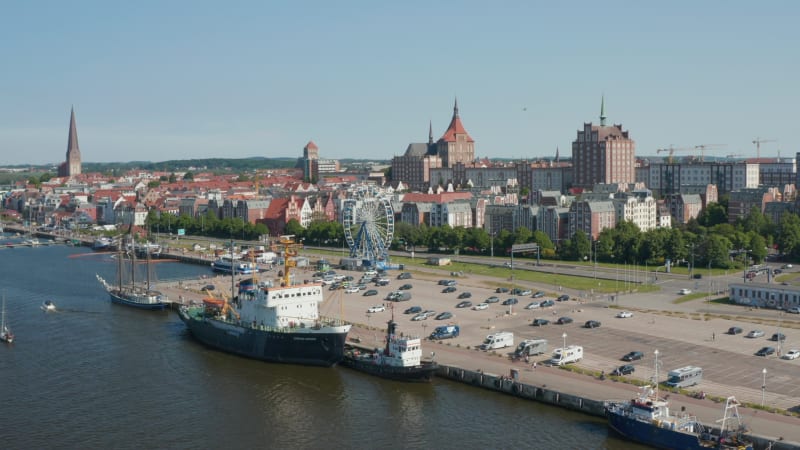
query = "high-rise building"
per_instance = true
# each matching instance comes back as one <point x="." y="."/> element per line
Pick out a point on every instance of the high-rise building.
<point x="603" y="154"/>
<point x="72" y="166"/>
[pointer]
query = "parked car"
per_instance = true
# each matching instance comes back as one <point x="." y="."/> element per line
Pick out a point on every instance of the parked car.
<point x="633" y="356"/>
<point x="564" y="320"/>
<point x="624" y="314"/>
<point x="376" y="308"/>
<point x="563" y="298"/>
<point x="591" y="324"/>
<point x="406" y="287"/>
<point x="501" y="290"/>
<point x="791" y="354"/>
<point x="734" y="330"/>
<point x="685" y="291"/>
<point x="351" y="290"/>
<point x="626" y="369"/>
<point x="451" y="283"/>
<point x="793" y="310"/>
<point x="755" y="334"/>
<point x="532" y="305"/>
<point x="546" y="303"/>
<point x="370" y="292"/>
<point x="443" y="282"/>
<point x="492" y="299"/>
<point x="419" y="317"/>
<point x="540" y="322"/>
<point x="448" y="289"/>
<point x="525" y="292"/>
<point x="404" y="276"/>
<point x="464" y="304"/>
<point x="382" y="283"/>
<point x="413" y="310"/>
<point x="209" y="287"/>
<point x="444" y="316"/>
<point x="765" y="351"/>
<point x="778" y="337"/>
<point x="480" y="306"/>
<point x="786" y="266"/>
<point x="465" y="295"/>
<point x="538" y="294"/>
<point x="510" y="301"/>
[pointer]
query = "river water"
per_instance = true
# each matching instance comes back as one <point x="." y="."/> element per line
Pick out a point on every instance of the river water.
<point x="97" y="375"/>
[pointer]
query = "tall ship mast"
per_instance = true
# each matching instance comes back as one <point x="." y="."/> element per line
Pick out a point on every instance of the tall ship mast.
<point x="127" y="292"/>
<point x="280" y="323"/>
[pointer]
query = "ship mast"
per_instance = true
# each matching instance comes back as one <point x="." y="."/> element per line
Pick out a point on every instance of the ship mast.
<point x="290" y="248"/>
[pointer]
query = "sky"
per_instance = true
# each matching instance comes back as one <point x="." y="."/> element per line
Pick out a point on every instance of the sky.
<point x="161" y="80"/>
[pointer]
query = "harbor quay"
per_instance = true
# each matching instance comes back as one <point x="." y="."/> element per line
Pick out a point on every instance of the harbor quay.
<point x="681" y="338"/>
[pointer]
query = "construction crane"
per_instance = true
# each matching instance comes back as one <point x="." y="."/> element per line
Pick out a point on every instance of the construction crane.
<point x="672" y="150"/>
<point x="758" y="142"/>
<point x="703" y="148"/>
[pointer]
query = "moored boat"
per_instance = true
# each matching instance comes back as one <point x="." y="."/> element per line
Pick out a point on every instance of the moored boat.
<point x="230" y="264"/>
<point x="127" y="292"/>
<point x="276" y="324"/>
<point x="102" y="243"/>
<point x="400" y="359"/>
<point x="648" y="420"/>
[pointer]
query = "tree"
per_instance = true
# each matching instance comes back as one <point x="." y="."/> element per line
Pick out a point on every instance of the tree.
<point x="153" y="184"/>
<point x="789" y="236"/>
<point x="293" y="227"/>
<point x="172" y="178"/>
<point x="188" y="176"/>
<point x="713" y="214"/>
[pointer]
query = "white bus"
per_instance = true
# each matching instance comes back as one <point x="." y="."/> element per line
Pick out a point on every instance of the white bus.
<point x="684" y="377"/>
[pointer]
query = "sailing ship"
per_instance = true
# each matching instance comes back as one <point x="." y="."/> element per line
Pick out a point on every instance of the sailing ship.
<point x="400" y="359"/>
<point x="5" y="333"/>
<point x="648" y="420"/>
<point x="127" y="292"/>
<point x="278" y="323"/>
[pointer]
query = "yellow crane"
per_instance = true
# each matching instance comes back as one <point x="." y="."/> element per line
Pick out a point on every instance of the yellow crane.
<point x="703" y="148"/>
<point x="672" y="151"/>
<point x="758" y="142"/>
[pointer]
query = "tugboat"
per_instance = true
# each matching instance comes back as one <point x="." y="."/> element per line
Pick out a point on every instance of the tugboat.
<point x="399" y="360"/>
<point x="275" y="324"/>
<point x="647" y="419"/>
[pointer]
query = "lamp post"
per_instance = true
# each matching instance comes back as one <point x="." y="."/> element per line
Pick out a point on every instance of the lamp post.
<point x="763" y="385"/>
<point x="655" y="369"/>
<point x="564" y="336"/>
<point x="491" y="236"/>
<point x="594" y="270"/>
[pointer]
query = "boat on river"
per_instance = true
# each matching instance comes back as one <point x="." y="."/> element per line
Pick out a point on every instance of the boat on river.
<point x="279" y="323"/>
<point x="48" y="306"/>
<point x="400" y="359"/>
<point x="127" y="292"/>
<point x="5" y="333"/>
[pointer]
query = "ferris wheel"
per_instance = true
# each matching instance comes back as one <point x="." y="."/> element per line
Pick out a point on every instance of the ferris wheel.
<point x="368" y="223"/>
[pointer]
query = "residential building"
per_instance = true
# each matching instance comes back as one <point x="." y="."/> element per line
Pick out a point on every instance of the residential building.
<point x="602" y="154"/>
<point x="591" y="217"/>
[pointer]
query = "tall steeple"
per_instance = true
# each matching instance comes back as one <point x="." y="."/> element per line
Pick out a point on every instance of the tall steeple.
<point x="73" y="163"/>
<point x="557" y="157"/>
<point x="430" y="133"/>
<point x="455" y="109"/>
<point x="603" y="111"/>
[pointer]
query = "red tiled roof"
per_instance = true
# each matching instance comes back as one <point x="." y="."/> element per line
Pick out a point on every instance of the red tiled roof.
<point x="456" y="127"/>
<point x="311" y="145"/>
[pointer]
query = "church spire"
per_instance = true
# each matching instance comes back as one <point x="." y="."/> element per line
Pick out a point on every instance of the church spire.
<point x="430" y="132"/>
<point x="557" y="153"/>
<point x="603" y="111"/>
<point x="455" y="109"/>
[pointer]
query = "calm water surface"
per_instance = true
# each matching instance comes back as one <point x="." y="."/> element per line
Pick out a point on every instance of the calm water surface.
<point x="97" y="375"/>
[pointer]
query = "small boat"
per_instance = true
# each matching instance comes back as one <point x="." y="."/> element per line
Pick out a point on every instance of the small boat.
<point x="102" y="243"/>
<point x="400" y="360"/>
<point x="48" y="305"/>
<point x="232" y="264"/>
<point x="648" y="420"/>
<point x="5" y="333"/>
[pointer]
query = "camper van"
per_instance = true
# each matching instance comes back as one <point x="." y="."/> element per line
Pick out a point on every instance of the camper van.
<point x="531" y="347"/>
<point x="561" y="356"/>
<point x="684" y="377"/>
<point x="498" y="340"/>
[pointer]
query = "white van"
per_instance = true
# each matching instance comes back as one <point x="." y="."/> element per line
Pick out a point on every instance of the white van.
<point x="684" y="377"/>
<point x="561" y="356"/>
<point x="498" y="340"/>
<point x="370" y="273"/>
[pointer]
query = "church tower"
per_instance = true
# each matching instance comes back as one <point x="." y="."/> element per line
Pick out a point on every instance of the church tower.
<point x="73" y="164"/>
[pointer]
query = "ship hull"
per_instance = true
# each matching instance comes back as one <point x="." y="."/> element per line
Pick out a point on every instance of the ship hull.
<point x="419" y="374"/>
<point x="298" y="346"/>
<point x="121" y="300"/>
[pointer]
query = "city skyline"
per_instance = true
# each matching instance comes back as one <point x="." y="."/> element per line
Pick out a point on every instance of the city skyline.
<point x="180" y="80"/>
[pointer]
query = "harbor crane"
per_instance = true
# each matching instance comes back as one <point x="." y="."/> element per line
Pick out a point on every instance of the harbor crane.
<point x="758" y="142"/>
<point x="672" y="151"/>
<point x="703" y="148"/>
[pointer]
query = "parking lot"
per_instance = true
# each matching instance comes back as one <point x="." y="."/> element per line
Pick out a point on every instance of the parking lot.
<point x="729" y="364"/>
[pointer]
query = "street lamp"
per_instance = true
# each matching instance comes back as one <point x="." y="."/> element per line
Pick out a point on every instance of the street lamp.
<point x="564" y="336"/>
<point x="491" y="236"/>
<point x="763" y="385"/>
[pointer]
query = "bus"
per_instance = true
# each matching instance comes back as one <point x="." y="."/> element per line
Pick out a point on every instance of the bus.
<point x="684" y="377"/>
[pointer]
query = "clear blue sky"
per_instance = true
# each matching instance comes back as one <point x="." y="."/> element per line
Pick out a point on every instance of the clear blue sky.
<point x="157" y="80"/>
